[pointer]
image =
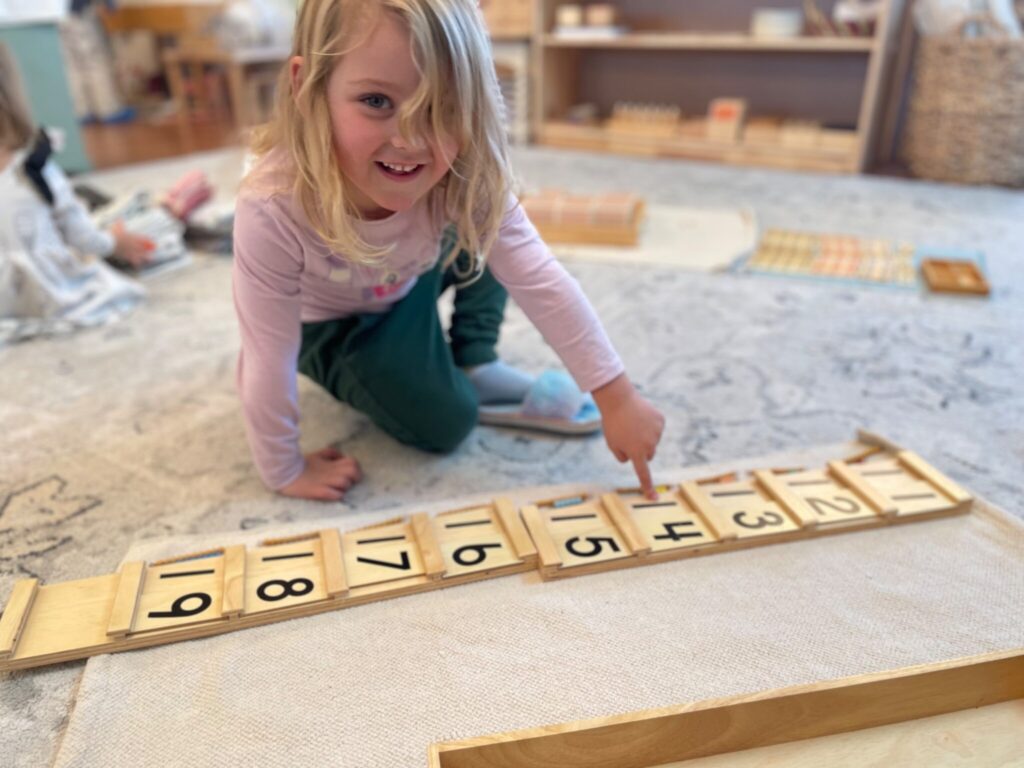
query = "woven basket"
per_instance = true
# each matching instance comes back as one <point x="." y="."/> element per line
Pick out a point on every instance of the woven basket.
<point x="965" y="122"/>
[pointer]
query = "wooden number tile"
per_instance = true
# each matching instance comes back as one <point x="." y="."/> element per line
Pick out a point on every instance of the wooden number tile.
<point x="282" y="574"/>
<point x="381" y="554"/>
<point x="582" y="532"/>
<point x="472" y="540"/>
<point x="187" y="590"/>
<point x="909" y="493"/>
<point x="740" y="510"/>
<point x="831" y="503"/>
<point x="668" y="522"/>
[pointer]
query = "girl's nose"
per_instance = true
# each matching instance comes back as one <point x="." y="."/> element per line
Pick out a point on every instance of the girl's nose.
<point x="400" y="142"/>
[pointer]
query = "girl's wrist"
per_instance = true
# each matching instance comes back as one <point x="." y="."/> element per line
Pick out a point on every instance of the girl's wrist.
<point x="614" y="393"/>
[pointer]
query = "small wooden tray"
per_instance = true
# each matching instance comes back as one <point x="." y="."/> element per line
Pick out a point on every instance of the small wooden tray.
<point x="954" y="276"/>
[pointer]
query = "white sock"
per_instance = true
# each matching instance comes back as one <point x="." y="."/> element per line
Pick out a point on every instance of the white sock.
<point x="497" y="383"/>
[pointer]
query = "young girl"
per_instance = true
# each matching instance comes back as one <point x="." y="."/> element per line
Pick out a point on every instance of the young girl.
<point x="44" y="285"/>
<point x="383" y="180"/>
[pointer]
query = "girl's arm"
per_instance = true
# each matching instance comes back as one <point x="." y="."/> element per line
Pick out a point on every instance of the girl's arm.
<point x="265" y="283"/>
<point x="557" y="306"/>
<point x="266" y="273"/>
<point x="79" y="231"/>
<point x="72" y="219"/>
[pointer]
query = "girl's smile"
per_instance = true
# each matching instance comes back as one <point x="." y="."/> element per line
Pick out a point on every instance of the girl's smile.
<point x="400" y="172"/>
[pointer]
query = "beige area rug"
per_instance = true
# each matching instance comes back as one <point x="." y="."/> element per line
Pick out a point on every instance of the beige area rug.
<point x="133" y="432"/>
<point x="374" y="686"/>
<point x="684" y="237"/>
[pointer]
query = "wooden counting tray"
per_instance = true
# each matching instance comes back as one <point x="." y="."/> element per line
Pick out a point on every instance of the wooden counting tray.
<point x="230" y="588"/>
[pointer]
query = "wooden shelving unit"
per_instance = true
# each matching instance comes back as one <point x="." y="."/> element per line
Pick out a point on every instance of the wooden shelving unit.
<point x="685" y="54"/>
<point x="712" y="42"/>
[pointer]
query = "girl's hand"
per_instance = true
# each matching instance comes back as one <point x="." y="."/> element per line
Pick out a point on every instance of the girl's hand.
<point x="134" y="249"/>
<point x="632" y="427"/>
<point x="327" y="476"/>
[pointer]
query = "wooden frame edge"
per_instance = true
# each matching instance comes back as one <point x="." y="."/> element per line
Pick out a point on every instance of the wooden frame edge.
<point x="653" y="737"/>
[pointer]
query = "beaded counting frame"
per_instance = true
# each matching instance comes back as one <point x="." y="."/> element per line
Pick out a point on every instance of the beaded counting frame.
<point x="234" y="587"/>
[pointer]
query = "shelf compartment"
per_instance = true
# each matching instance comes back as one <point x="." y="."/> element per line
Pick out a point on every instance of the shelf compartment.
<point x="833" y="157"/>
<point x="683" y="41"/>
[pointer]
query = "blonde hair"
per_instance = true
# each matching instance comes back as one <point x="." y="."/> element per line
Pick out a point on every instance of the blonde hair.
<point x="457" y="96"/>
<point x="16" y="125"/>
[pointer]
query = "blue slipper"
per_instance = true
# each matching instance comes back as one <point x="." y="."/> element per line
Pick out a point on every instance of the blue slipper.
<point x="553" y="404"/>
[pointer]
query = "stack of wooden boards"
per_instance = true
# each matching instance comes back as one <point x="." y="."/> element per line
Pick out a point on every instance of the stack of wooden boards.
<point x="232" y="587"/>
<point x="603" y="219"/>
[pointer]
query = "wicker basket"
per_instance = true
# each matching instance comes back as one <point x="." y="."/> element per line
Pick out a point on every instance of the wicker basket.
<point x="965" y="121"/>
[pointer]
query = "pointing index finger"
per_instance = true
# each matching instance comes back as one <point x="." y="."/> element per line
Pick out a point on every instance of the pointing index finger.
<point x="643" y="473"/>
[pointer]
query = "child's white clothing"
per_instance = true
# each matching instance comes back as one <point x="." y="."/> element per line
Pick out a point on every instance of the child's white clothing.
<point x="50" y="280"/>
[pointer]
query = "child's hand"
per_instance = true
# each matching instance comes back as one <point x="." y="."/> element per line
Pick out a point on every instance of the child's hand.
<point x="327" y="476"/>
<point x="134" y="249"/>
<point x="632" y="427"/>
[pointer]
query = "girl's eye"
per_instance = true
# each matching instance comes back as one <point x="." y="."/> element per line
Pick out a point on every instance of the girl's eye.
<point x="376" y="101"/>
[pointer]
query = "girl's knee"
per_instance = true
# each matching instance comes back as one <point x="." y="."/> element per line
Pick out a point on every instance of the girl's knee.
<point x="446" y="421"/>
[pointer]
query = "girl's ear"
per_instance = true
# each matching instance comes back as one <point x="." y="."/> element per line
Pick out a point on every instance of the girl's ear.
<point x="295" y="73"/>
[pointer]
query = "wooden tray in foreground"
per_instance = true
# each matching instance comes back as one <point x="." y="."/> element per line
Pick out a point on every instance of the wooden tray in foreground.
<point x="974" y="706"/>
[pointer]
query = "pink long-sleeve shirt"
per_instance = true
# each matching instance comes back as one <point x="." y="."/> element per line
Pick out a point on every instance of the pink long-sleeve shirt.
<point x="285" y="275"/>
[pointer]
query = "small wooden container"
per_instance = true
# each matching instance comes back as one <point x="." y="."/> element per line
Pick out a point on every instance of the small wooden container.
<point x="954" y="276"/>
<point x="601" y="15"/>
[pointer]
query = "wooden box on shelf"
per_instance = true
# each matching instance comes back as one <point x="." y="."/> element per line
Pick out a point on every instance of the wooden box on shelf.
<point x="509" y="19"/>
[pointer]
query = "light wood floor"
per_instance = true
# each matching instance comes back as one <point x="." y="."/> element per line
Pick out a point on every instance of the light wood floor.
<point x="109" y="146"/>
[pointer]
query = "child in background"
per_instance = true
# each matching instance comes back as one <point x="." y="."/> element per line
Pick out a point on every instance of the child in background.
<point x="44" y="286"/>
<point x="384" y="179"/>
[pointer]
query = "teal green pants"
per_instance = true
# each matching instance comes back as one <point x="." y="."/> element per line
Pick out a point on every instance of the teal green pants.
<point x="398" y="368"/>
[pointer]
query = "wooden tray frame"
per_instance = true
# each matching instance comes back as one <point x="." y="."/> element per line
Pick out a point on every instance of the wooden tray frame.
<point x="672" y="734"/>
<point x="238" y="587"/>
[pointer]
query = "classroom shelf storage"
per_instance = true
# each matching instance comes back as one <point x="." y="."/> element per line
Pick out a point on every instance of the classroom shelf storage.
<point x="682" y="56"/>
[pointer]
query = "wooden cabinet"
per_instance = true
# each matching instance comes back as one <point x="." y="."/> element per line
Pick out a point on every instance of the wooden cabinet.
<point x="682" y="55"/>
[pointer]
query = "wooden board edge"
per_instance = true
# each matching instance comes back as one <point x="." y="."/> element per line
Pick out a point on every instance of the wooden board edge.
<point x="126" y="598"/>
<point x="548" y="554"/>
<point x="850" y="478"/>
<point x="514" y="529"/>
<point x="720" y="524"/>
<point x="335" y="581"/>
<point x="654" y="737"/>
<point x="799" y="511"/>
<point x="618" y="511"/>
<point x="233" y="592"/>
<point x="15" y="615"/>
<point x="934" y="477"/>
<point x="430" y="552"/>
